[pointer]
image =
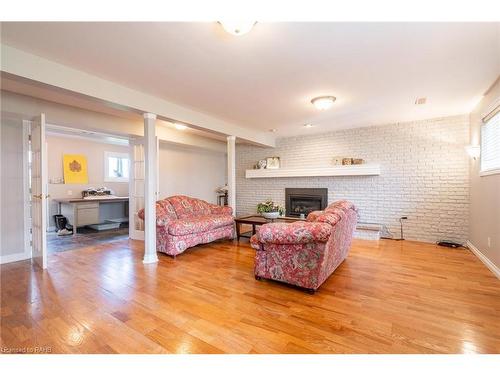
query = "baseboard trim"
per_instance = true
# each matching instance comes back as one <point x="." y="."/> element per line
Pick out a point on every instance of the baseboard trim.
<point x="14" y="258"/>
<point x="488" y="263"/>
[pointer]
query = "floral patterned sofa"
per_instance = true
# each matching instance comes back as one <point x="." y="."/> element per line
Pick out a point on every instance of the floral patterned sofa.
<point x="183" y="222"/>
<point x="305" y="253"/>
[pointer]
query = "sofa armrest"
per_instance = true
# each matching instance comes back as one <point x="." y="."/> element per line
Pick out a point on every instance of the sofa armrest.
<point x="331" y="218"/>
<point x="254" y="242"/>
<point x="294" y="233"/>
<point x="221" y="210"/>
<point x="341" y="205"/>
<point x="313" y="215"/>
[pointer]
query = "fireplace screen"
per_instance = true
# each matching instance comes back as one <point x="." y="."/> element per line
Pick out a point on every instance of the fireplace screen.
<point x="303" y="201"/>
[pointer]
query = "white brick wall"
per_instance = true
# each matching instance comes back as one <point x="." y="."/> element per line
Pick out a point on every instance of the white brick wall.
<point x="424" y="174"/>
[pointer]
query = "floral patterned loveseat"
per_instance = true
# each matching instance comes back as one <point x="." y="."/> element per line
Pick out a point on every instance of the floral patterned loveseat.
<point x="305" y="253"/>
<point x="183" y="222"/>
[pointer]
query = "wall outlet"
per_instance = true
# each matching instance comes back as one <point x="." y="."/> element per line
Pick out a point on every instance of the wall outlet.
<point x="489" y="241"/>
<point x="70" y="192"/>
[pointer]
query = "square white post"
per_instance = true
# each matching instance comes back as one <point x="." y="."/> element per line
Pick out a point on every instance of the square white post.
<point x="231" y="171"/>
<point x="150" y="162"/>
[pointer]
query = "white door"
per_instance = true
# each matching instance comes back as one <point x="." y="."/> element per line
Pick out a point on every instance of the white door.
<point x="39" y="191"/>
<point x="136" y="187"/>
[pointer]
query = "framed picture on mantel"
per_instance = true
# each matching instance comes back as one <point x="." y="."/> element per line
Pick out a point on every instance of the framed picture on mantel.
<point x="273" y="162"/>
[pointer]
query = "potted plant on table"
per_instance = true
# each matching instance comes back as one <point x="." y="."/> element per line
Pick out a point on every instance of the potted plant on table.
<point x="270" y="210"/>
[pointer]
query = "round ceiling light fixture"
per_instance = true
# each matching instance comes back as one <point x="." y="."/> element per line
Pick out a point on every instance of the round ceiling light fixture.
<point x="237" y="27"/>
<point x="323" y="102"/>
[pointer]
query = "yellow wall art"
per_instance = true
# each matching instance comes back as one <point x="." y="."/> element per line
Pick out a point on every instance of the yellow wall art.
<point x="75" y="169"/>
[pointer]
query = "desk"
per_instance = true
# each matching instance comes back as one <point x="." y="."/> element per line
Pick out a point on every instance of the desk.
<point x="81" y="212"/>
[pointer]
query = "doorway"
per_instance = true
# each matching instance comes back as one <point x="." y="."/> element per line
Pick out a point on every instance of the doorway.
<point x="96" y="208"/>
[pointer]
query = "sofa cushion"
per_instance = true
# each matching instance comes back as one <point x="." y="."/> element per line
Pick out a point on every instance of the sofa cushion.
<point x="189" y="207"/>
<point x="199" y="224"/>
<point x="297" y="232"/>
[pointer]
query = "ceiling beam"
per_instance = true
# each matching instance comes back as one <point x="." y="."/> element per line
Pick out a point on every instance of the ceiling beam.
<point x="26" y="65"/>
<point x="17" y="107"/>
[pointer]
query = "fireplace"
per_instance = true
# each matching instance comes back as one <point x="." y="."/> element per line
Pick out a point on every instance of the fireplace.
<point x="303" y="201"/>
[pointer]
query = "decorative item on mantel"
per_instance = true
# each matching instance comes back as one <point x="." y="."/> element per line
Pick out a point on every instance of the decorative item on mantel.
<point x="270" y="210"/>
<point x="273" y="162"/>
<point x="261" y="164"/>
<point x="339" y="160"/>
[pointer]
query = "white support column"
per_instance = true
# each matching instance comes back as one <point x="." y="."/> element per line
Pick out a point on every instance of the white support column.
<point x="150" y="171"/>
<point x="231" y="171"/>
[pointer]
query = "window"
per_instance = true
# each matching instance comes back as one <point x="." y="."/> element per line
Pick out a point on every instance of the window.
<point x="116" y="167"/>
<point x="490" y="145"/>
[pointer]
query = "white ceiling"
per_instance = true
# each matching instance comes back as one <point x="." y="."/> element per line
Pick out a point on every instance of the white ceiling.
<point x="265" y="79"/>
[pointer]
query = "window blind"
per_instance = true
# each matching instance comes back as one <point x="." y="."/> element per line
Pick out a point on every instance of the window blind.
<point x="490" y="144"/>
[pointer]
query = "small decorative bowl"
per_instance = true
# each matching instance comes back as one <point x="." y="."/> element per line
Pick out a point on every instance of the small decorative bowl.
<point x="271" y="215"/>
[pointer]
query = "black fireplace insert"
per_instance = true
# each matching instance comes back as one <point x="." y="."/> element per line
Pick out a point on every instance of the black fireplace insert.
<point x="304" y="200"/>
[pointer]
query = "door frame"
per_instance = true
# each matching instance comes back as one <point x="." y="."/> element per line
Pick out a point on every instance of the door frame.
<point x="27" y="202"/>
<point x="39" y="248"/>
<point x="27" y="188"/>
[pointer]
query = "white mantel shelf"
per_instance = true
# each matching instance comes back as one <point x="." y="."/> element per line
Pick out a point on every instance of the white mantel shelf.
<point x="340" y="170"/>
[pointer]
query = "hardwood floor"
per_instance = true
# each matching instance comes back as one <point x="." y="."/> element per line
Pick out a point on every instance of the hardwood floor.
<point x="387" y="297"/>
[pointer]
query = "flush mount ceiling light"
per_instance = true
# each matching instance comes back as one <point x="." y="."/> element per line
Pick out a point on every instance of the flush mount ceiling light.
<point x="308" y="125"/>
<point x="323" y="102"/>
<point x="237" y="27"/>
<point x="180" y="127"/>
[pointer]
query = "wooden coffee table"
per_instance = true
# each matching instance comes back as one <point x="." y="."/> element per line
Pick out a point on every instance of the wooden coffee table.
<point x="256" y="220"/>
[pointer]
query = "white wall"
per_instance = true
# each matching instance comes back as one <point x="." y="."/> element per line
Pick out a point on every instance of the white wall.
<point x="485" y="190"/>
<point x="94" y="151"/>
<point x="12" y="229"/>
<point x="424" y="174"/>
<point x="191" y="171"/>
